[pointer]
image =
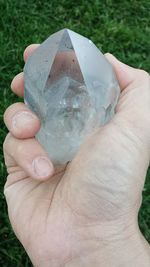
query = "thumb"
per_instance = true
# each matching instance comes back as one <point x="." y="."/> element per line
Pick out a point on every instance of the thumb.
<point x="133" y="108"/>
<point x="125" y="74"/>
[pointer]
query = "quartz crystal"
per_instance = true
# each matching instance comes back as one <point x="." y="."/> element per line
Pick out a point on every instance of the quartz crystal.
<point x="72" y="88"/>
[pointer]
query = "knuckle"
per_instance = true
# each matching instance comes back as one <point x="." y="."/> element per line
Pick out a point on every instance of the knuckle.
<point x="13" y="146"/>
<point x="20" y="148"/>
<point x="8" y="111"/>
<point x="27" y="47"/>
<point x="7" y="141"/>
<point x="12" y="85"/>
<point x="5" y="191"/>
<point x="143" y="74"/>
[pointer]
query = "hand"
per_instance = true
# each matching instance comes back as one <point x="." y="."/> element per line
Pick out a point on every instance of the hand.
<point x="85" y="213"/>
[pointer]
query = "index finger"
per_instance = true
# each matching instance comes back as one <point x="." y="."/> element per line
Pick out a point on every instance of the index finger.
<point x="17" y="84"/>
<point x="29" y="50"/>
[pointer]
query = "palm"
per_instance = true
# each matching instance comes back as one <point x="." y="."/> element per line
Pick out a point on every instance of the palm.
<point x="94" y="188"/>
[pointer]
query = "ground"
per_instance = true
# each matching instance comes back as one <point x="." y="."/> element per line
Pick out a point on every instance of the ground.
<point x="120" y="27"/>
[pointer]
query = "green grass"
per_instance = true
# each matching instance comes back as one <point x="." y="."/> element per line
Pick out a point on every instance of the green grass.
<point x="120" y="27"/>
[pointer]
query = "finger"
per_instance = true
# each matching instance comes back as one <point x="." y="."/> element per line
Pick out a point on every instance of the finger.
<point x="17" y="84"/>
<point x="21" y="121"/>
<point x="29" y="50"/>
<point x="29" y="155"/>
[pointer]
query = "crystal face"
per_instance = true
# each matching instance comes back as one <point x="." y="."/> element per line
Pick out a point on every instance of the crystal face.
<point x="72" y="88"/>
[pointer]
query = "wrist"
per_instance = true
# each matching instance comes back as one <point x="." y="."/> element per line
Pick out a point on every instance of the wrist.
<point x="117" y="244"/>
<point x="130" y="249"/>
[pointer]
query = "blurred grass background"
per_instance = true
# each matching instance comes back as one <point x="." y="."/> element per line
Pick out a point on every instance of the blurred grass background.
<point x="120" y="27"/>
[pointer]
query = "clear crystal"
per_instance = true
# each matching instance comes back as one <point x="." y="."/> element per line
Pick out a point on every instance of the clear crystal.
<point x="72" y="88"/>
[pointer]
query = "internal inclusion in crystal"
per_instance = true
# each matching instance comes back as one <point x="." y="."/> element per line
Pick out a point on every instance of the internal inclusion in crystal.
<point x="72" y="88"/>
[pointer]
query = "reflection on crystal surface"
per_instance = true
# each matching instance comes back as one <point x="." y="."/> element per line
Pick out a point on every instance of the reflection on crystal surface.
<point x="71" y="86"/>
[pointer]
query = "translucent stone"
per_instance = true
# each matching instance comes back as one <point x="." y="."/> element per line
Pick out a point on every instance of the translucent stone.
<point x="72" y="88"/>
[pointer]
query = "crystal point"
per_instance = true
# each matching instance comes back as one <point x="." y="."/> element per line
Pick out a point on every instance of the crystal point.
<point x="72" y="88"/>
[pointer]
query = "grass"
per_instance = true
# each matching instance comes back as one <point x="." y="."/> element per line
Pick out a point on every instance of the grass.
<point x="120" y="27"/>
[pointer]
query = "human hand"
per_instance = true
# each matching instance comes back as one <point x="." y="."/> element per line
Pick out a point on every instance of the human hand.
<point x="82" y="213"/>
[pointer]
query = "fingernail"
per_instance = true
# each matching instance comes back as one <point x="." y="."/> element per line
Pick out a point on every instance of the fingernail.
<point x="109" y="55"/>
<point x="23" y="119"/>
<point x="42" y="166"/>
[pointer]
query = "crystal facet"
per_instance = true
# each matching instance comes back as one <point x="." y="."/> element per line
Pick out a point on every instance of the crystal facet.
<point x="72" y="88"/>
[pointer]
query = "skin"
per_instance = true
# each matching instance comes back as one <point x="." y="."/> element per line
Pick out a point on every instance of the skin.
<point x="84" y="213"/>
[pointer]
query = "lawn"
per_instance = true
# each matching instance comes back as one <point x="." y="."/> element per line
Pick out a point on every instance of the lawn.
<point x="120" y="27"/>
